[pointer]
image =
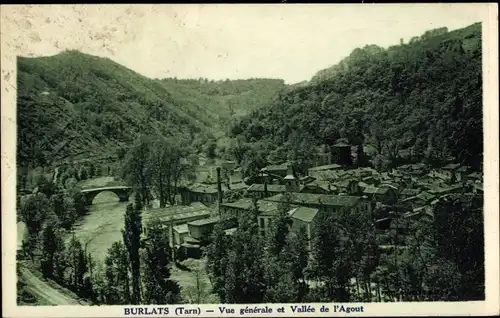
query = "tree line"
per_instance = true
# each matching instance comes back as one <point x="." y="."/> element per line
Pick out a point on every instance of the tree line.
<point x="160" y="164"/>
<point x="433" y="259"/>
<point x="50" y="212"/>
<point x="135" y="271"/>
<point x="413" y="102"/>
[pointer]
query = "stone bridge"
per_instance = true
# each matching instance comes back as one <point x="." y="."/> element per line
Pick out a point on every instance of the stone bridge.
<point x="123" y="193"/>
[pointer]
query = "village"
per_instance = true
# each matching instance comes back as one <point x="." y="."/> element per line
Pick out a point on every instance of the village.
<point x="394" y="200"/>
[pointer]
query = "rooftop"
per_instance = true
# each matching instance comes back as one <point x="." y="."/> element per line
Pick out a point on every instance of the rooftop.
<point x="341" y="144"/>
<point x="204" y="221"/>
<point x="451" y="166"/>
<point x="270" y="187"/>
<point x="244" y="203"/>
<point x="318" y="199"/>
<point x="247" y="204"/>
<point x="177" y="209"/>
<point x="410" y="191"/>
<point x="281" y="167"/>
<point x="181" y="229"/>
<point x="176" y="217"/>
<point x="326" y="167"/>
<point x="374" y="190"/>
<point x="304" y="213"/>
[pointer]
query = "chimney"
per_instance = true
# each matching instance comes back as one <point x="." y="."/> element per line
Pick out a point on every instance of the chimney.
<point x="289" y="171"/>
<point x="219" y="190"/>
<point x="265" y="187"/>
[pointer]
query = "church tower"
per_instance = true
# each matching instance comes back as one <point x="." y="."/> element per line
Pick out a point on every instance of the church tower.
<point x="291" y="181"/>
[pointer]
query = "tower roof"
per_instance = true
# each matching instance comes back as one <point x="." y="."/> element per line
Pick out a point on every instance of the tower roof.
<point x="290" y="175"/>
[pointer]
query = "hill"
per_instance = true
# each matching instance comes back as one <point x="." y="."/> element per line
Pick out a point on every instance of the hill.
<point x="422" y="98"/>
<point x="75" y="105"/>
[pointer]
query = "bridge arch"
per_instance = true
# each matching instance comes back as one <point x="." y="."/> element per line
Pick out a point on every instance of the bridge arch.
<point x="122" y="192"/>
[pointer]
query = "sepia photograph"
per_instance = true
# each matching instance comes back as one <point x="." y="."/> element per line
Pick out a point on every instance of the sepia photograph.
<point x="275" y="155"/>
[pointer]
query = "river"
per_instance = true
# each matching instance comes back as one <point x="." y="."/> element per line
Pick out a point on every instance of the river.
<point x="102" y="225"/>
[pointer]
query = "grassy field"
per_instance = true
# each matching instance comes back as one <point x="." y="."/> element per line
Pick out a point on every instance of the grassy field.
<point x="195" y="285"/>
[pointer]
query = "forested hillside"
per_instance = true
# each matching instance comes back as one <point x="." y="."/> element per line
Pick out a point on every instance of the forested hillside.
<point x="420" y="100"/>
<point x="75" y="104"/>
<point x="226" y="99"/>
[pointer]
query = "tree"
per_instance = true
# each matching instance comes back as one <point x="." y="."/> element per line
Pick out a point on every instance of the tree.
<point x="280" y="227"/>
<point x="117" y="286"/>
<point x="286" y="272"/>
<point x="169" y="167"/>
<point x="34" y="209"/>
<point x="158" y="287"/>
<point x="136" y="168"/>
<point x="78" y="264"/>
<point x="296" y="255"/>
<point x="210" y="148"/>
<point x="245" y="275"/>
<point x="331" y="263"/>
<point x="65" y="210"/>
<point x="52" y="249"/>
<point x="300" y="152"/>
<point x="217" y="254"/>
<point x="458" y="233"/>
<point x="132" y="239"/>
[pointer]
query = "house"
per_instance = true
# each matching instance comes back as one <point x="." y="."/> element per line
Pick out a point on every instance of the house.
<point x="439" y="191"/>
<point x="317" y="171"/>
<point x="408" y="193"/>
<point x="229" y="165"/>
<point x="198" y="192"/>
<point x="233" y="210"/>
<point x="180" y="233"/>
<point x="306" y="180"/>
<point x="185" y="217"/>
<point x="363" y="185"/>
<point x="383" y="194"/>
<point x="477" y="188"/>
<point x="382" y="225"/>
<point x="420" y="213"/>
<point x="315" y="188"/>
<point x="327" y="175"/>
<point x="260" y="191"/>
<point x="179" y="214"/>
<point x="322" y="155"/>
<point x="371" y="180"/>
<point x="385" y="176"/>
<point x="461" y="173"/>
<point x="267" y="211"/>
<point x="201" y="229"/>
<point x="449" y="170"/>
<point x="276" y="170"/>
<point x="326" y="202"/>
<point x="191" y="248"/>
<point x="475" y="177"/>
<point x="413" y="202"/>
<point x="349" y="186"/>
<point x="303" y="217"/>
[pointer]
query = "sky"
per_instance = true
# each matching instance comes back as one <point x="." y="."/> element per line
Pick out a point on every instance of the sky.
<point x="291" y="42"/>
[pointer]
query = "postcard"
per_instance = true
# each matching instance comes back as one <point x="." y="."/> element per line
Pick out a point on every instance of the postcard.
<point x="223" y="160"/>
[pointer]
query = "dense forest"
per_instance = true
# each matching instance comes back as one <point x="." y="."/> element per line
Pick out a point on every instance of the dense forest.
<point x="417" y="101"/>
<point x="73" y="103"/>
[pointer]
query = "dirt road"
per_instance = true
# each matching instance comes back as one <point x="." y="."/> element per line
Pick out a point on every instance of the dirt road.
<point x="45" y="291"/>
